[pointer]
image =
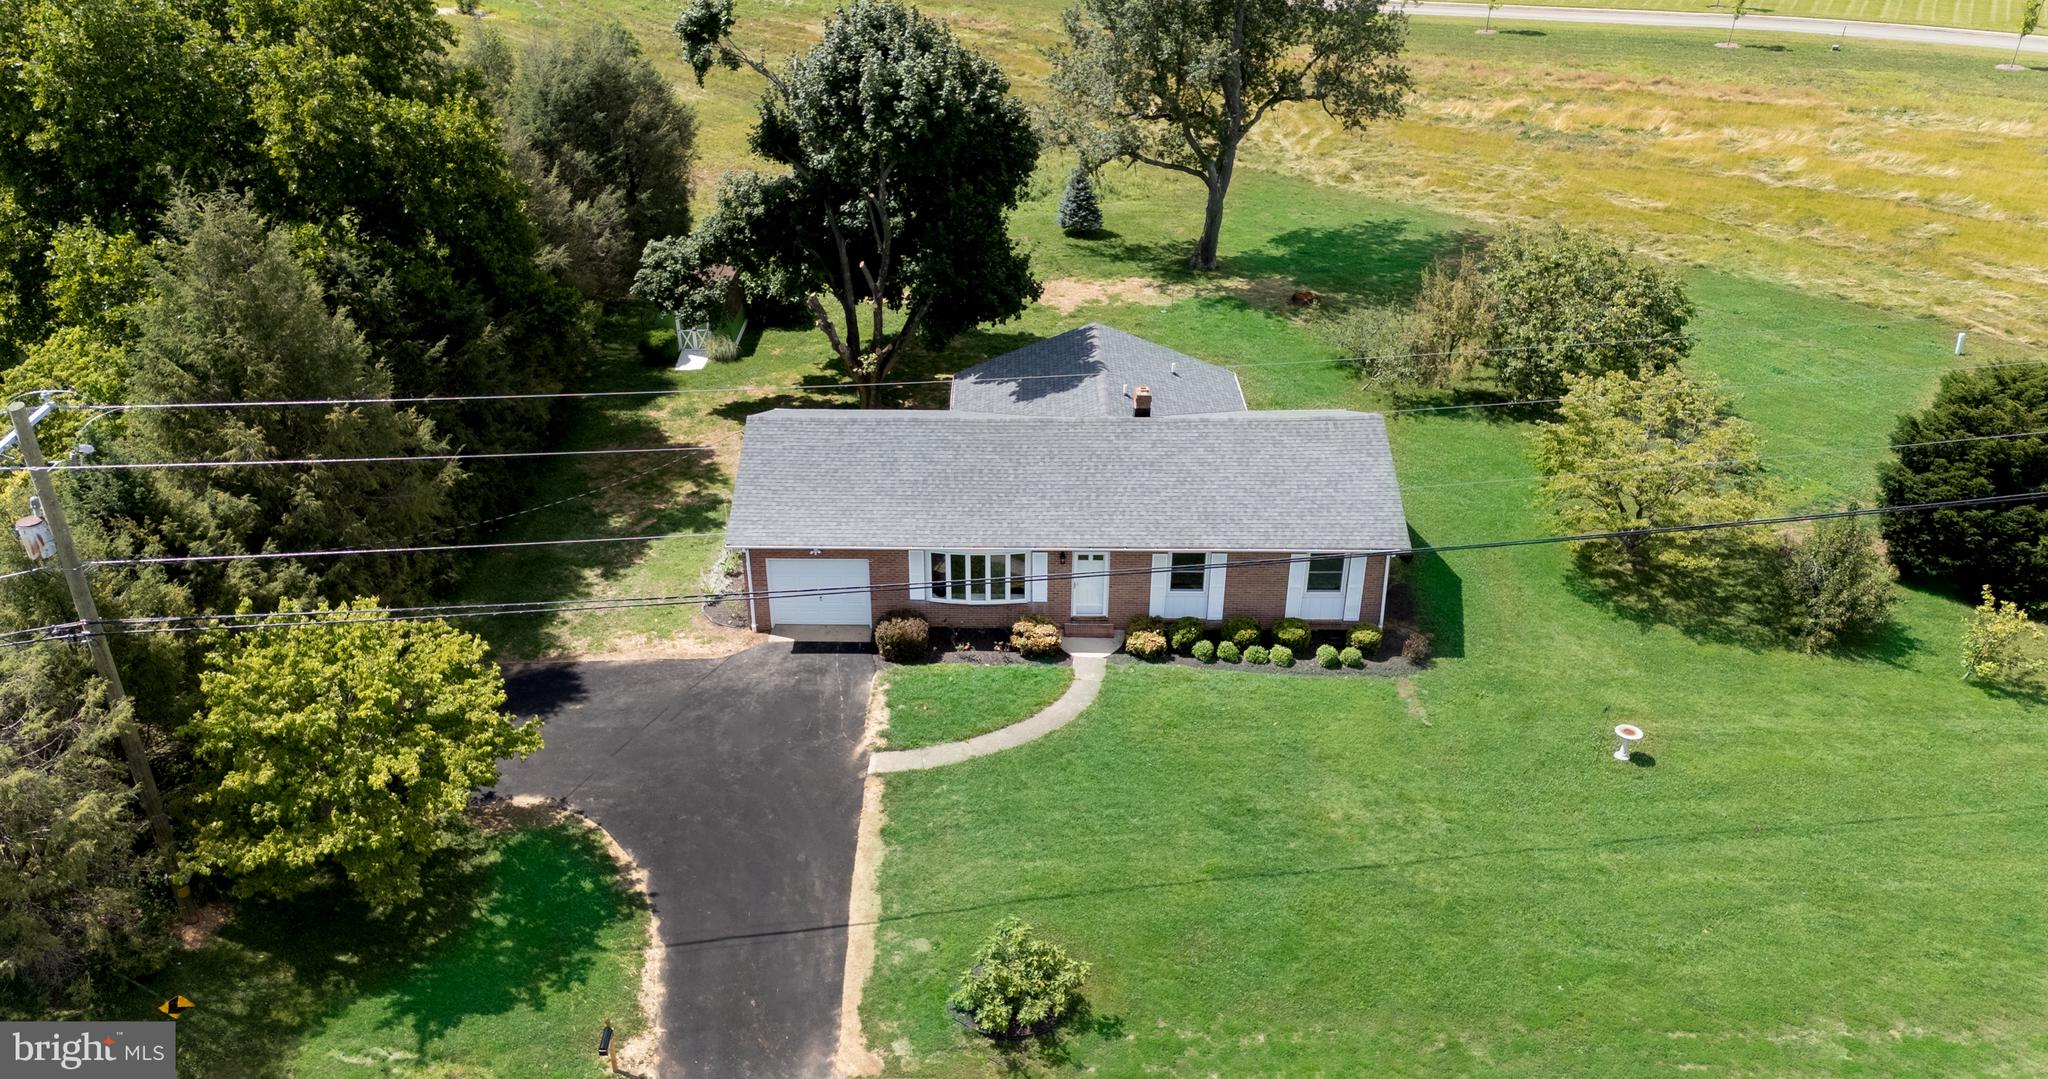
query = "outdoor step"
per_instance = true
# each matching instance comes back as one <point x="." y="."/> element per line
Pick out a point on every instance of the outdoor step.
<point x="1089" y="629"/>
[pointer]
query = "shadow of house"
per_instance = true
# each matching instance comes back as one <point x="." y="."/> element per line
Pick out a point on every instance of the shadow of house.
<point x="1435" y="599"/>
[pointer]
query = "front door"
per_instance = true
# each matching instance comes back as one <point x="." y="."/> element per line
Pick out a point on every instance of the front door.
<point x="1091" y="585"/>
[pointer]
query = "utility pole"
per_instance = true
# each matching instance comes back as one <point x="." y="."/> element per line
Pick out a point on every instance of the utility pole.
<point x="52" y="512"/>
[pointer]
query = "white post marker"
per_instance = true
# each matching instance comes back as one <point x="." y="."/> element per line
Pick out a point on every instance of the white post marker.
<point x="1959" y="341"/>
<point x="1629" y="736"/>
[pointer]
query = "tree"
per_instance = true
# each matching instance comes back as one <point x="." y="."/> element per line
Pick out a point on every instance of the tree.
<point x="236" y="317"/>
<point x="1569" y="303"/>
<point x="80" y="899"/>
<point x="1079" y="212"/>
<point x="905" y="152"/>
<point x="1839" y="583"/>
<point x="344" y="750"/>
<point x="1627" y="454"/>
<point x="1490" y="6"/>
<point x="605" y="149"/>
<point x="1020" y="983"/>
<point x="2030" y="20"/>
<point x="343" y="116"/>
<point x="1964" y="445"/>
<point x="1178" y="84"/>
<point x="677" y="278"/>
<point x="1735" y="13"/>
<point x="2001" y="645"/>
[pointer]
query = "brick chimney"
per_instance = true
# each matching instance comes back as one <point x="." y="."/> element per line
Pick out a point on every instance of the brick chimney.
<point x="1141" y="401"/>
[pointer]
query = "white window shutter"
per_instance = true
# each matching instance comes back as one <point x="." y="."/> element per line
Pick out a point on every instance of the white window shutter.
<point x="1297" y="583"/>
<point x="1162" y="570"/>
<point x="1040" y="566"/>
<point x="920" y="575"/>
<point x="1354" y="585"/>
<point x="1216" y="573"/>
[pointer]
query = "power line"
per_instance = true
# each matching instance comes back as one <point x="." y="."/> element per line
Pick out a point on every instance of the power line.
<point x="266" y="462"/>
<point x="340" y="552"/>
<point x="252" y="620"/>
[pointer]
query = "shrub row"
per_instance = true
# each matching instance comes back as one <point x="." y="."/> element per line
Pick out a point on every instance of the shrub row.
<point x="1151" y="638"/>
<point x="1036" y="636"/>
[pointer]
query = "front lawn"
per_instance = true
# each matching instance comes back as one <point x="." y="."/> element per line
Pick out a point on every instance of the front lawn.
<point x="946" y="702"/>
<point x="509" y="969"/>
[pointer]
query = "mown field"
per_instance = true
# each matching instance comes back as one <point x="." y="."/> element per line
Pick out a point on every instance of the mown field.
<point x="1969" y="14"/>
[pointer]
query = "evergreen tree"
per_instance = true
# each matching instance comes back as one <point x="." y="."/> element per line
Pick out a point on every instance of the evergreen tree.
<point x="1079" y="212"/>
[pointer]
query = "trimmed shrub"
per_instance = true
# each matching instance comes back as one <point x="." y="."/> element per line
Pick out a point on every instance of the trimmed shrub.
<point x="1145" y="638"/>
<point x="1281" y="655"/>
<point x="1999" y="645"/>
<point x="1256" y="654"/>
<point x="1019" y="984"/>
<point x="1365" y="637"/>
<point x="1227" y="652"/>
<point x="903" y="636"/>
<point x="1351" y="657"/>
<point x="1326" y="655"/>
<point x="658" y="347"/>
<point x="1292" y="632"/>
<point x="1184" y="633"/>
<point x="1415" y="647"/>
<point x="1241" y="630"/>
<point x="1204" y="651"/>
<point x="1035" y="635"/>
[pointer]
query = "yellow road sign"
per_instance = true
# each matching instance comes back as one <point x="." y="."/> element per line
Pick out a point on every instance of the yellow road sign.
<point x="175" y="1006"/>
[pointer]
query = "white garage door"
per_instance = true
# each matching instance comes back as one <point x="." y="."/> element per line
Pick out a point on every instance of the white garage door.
<point x="838" y="608"/>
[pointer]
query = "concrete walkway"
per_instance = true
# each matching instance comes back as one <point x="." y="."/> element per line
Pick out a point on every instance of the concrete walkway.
<point x="1090" y="657"/>
<point x="1784" y="24"/>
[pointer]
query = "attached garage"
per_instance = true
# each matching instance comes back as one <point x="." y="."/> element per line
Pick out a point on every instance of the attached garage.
<point x="819" y="592"/>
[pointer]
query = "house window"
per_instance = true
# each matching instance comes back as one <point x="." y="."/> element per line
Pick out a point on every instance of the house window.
<point x="1326" y="573"/>
<point x="990" y="577"/>
<point x="1189" y="572"/>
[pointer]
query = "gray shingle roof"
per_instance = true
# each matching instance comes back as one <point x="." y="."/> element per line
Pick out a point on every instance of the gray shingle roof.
<point x="1089" y="372"/>
<point x="1241" y="481"/>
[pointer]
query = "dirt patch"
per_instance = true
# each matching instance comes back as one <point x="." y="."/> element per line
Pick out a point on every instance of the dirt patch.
<point x="196" y="930"/>
<point x="1411" y="701"/>
<point x="702" y="640"/>
<point x="641" y="1054"/>
<point x="1068" y="294"/>
<point x="863" y="911"/>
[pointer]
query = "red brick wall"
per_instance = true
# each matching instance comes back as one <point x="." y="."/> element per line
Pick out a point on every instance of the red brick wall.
<point x="1256" y="590"/>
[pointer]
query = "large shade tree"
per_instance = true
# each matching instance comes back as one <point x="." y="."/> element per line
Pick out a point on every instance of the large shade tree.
<point x="1178" y="84"/>
<point x="904" y="153"/>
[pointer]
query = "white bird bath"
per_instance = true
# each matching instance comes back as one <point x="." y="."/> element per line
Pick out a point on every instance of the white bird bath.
<point x="1629" y="735"/>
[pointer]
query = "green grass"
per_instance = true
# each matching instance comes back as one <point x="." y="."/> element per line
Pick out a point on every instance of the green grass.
<point x="512" y="966"/>
<point x="1969" y="14"/>
<point x="1827" y="870"/>
<point x="946" y="702"/>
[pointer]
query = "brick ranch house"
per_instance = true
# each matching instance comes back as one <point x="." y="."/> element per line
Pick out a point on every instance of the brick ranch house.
<point x="1091" y="477"/>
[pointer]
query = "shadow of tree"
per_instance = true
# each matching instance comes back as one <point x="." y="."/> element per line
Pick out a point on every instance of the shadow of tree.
<point x="555" y="891"/>
<point x="1729" y="593"/>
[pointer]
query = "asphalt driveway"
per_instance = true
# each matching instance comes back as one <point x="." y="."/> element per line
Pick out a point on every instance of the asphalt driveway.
<point x="736" y="784"/>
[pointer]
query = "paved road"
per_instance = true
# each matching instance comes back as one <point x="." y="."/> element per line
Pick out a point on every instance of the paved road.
<point x="1784" y="24"/>
<point x="736" y="784"/>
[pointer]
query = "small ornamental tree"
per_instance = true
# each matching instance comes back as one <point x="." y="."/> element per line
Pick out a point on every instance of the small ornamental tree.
<point x="2030" y="21"/>
<point x="1635" y="454"/>
<point x="343" y="751"/>
<point x="2001" y="645"/>
<point x="1569" y="303"/>
<point x="1838" y="582"/>
<point x="1019" y="984"/>
<point x="1960" y="447"/>
<point x="1079" y="212"/>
